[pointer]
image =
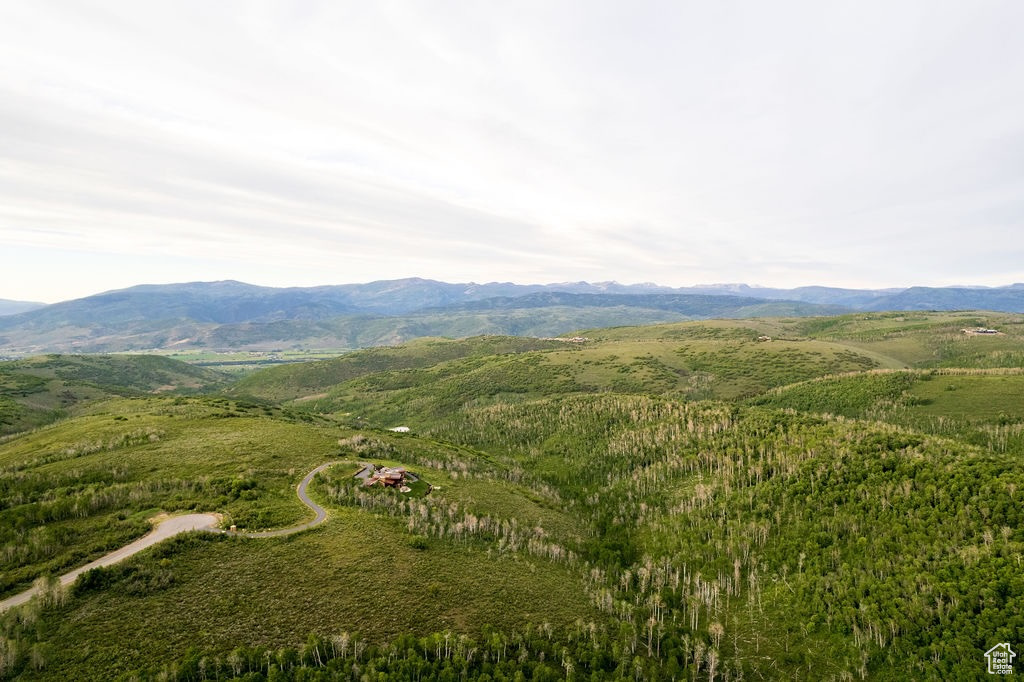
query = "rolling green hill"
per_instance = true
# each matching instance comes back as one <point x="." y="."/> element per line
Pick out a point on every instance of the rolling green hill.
<point x="919" y="339"/>
<point x="788" y="536"/>
<point x="694" y="369"/>
<point x="695" y="360"/>
<point x="41" y="389"/>
<point x="81" y="487"/>
<point x="303" y="381"/>
<point x="789" y="498"/>
<point x="981" y="407"/>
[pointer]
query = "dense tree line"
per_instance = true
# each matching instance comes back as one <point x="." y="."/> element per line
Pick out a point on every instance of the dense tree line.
<point x="878" y="549"/>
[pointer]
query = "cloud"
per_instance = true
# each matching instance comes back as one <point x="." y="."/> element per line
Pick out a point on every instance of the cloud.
<point x="548" y="141"/>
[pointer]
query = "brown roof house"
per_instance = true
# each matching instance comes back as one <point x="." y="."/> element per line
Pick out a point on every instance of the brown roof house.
<point x="388" y="477"/>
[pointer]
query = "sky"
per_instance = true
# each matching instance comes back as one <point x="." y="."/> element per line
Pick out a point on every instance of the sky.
<point x="859" y="144"/>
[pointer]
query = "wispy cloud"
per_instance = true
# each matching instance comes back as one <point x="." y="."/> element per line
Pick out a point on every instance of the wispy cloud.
<point x="792" y="143"/>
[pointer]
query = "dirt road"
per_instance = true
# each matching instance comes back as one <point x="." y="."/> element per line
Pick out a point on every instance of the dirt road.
<point x="174" y="525"/>
<point x="165" y="529"/>
<point x="300" y="490"/>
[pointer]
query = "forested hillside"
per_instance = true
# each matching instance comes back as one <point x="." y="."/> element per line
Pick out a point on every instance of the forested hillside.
<point x="806" y="499"/>
<point x="41" y="389"/>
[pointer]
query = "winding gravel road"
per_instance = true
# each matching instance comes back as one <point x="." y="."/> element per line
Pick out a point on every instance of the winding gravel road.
<point x="182" y="524"/>
<point x="300" y="490"/>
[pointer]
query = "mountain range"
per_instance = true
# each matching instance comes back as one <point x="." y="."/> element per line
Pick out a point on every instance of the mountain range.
<point x="231" y="314"/>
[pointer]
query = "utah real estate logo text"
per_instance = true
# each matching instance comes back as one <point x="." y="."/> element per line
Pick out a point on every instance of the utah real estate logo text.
<point x="1000" y="659"/>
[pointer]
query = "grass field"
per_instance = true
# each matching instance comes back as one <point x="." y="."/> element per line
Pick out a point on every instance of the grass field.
<point x="980" y="407"/>
<point x="356" y="574"/>
<point x="364" y="571"/>
<point x="98" y="477"/>
<point x="309" y="380"/>
<point x="981" y="396"/>
<point x="929" y="339"/>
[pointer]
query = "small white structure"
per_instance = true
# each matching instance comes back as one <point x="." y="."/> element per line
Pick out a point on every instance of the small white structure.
<point x="400" y="429"/>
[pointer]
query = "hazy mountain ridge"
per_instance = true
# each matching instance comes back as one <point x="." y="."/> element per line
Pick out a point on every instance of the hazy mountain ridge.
<point x="8" y="307"/>
<point x="1009" y="299"/>
<point x="390" y="297"/>
<point x="230" y="314"/>
<point x="691" y="305"/>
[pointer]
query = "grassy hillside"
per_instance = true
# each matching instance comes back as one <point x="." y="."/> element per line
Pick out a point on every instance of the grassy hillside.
<point x="358" y="575"/>
<point x="74" y="490"/>
<point x="920" y="339"/>
<point x="981" y="407"/>
<point x="805" y="499"/>
<point x="304" y="381"/>
<point x="39" y="390"/>
<point x="421" y="382"/>
<point x="713" y="539"/>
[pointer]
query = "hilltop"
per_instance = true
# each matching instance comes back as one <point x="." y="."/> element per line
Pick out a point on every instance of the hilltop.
<point x="713" y="359"/>
<point x="41" y="389"/>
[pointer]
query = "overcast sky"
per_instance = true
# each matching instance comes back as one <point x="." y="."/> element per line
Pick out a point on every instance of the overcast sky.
<point x="867" y="144"/>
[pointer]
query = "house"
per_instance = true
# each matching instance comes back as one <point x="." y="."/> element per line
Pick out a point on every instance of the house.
<point x="387" y="477"/>
<point x="392" y="478"/>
